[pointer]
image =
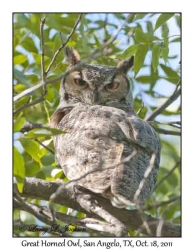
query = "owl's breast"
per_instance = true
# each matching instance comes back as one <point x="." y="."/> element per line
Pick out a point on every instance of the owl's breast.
<point x="90" y="140"/>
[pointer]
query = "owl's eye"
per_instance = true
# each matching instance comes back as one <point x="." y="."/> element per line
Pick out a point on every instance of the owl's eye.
<point x="113" y="85"/>
<point x="80" y="82"/>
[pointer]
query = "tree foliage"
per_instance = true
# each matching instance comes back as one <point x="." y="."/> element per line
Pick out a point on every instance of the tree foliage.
<point x="154" y="40"/>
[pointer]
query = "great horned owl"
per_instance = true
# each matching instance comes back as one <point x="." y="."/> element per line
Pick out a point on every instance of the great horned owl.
<point x="102" y="130"/>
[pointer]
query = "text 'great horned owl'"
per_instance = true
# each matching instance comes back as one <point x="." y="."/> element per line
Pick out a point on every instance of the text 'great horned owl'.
<point x="102" y="130"/>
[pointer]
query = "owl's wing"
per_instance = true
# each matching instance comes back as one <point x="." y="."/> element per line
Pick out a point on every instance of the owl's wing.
<point x="140" y="133"/>
<point x="141" y="138"/>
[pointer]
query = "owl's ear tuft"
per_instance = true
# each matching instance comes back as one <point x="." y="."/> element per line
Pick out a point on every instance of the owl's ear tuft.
<point x="72" y="56"/>
<point x="124" y="66"/>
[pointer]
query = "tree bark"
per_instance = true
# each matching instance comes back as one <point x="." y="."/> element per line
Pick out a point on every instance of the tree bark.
<point x="42" y="190"/>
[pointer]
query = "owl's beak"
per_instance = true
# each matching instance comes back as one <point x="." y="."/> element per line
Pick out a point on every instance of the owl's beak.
<point x="96" y="96"/>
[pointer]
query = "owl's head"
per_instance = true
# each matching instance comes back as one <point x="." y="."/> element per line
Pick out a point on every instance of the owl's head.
<point x="96" y="84"/>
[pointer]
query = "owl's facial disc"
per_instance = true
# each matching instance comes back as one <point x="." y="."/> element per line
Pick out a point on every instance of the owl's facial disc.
<point x="96" y="87"/>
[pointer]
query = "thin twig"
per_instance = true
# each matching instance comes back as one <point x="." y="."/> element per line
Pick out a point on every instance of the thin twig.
<point x="163" y="203"/>
<point x="42" y="22"/>
<point x="167" y="175"/>
<point x="138" y="191"/>
<point x="173" y="124"/>
<point x="64" y="44"/>
<point x="143" y="181"/>
<point x="160" y="109"/>
<point x="111" y="40"/>
<point x="142" y="107"/>
<point x="44" y="146"/>
<point x="159" y="228"/>
<point x="167" y="132"/>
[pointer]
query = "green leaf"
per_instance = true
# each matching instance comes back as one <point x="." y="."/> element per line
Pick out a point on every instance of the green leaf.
<point x="129" y="51"/>
<point x="19" y="59"/>
<point x="143" y="79"/>
<point x="50" y="95"/>
<point x="172" y="75"/>
<point x="38" y="57"/>
<point x="57" y="44"/>
<point x="155" y="57"/>
<point x="154" y="76"/>
<point x="141" y="37"/>
<point x="21" y="102"/>
<point x="18" y="75"/>
<point x="150" y="28"/>
<point x="178" y="20"/>
<point x="18" y="124"/>
<point x="143" y="113"/>
<point x="80" y="215"/>
<point x="32" y="148"/>
<point x="162" y="19"/>
<point x="47" y="160"/>
<point x="19" y="169"/>
<point x="32" y="168"/>
<point x="42" y="132"/>
<point x="47" y="170"/>
<point x="140" y="57"/>
<point x="19" y="87"/>
<point x="165" y="52"/>
<point x="139" y="16"/>
<point x="29" y="45"/>
<point x="56" y="173"/>
<point x="48" y="47"/>
<point x="176" y="40"/>
<point x="165" y="30"/>
<point x="20" y="183"/>
<point x="41" y="175"/>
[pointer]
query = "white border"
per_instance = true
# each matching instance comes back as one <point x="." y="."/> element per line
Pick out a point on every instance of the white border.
<point x="7" y="7"/>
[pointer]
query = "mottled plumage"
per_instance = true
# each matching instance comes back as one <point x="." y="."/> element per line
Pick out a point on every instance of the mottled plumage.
<point x="101" y="131"/>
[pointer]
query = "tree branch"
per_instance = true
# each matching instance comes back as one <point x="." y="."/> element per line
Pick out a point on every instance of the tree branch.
<point x="170" y="100"/>
<point x="175" y="124"/>
<point x="42" y="190"/>
<point x="42" y="22"/>
<point x="139" y="190"/>
<point x="112" y="224"/>
<point x="30" y="125"/>
<point x="167" y="175"/>
<point x="167" y="132"/>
